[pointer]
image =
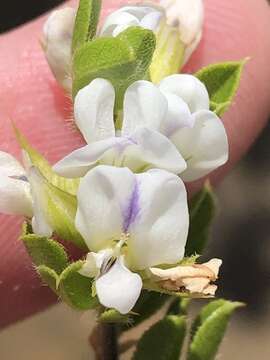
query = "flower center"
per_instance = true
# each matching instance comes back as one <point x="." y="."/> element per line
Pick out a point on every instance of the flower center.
<point x="109" y="262"/>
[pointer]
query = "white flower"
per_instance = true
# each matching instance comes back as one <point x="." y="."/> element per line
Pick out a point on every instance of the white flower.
<point x="188" y="16"/>
<point x="20" y="193"/>
<point x="139" y="149"/>
<point x="56" y="43"/>
<point x="130" y="222"/>
<point x="15" y="196"/>
<point x="161" y="126"/>
<point x="144" y="16"/>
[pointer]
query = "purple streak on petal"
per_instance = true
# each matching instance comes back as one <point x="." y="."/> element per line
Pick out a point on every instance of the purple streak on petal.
<point x="123" y="143"/>
<point x="133" y="209"/>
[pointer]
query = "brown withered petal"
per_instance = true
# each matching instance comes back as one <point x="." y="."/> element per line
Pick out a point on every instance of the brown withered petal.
<point x="195" y="279"/>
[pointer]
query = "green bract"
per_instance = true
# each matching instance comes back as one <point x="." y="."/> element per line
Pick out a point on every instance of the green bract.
<point x="37" y="160"/>
<point x="86" y="22"/>
<point x="44" y="251"/>
<point x="222" y="81"/>
<point x="76" y="289"/>
<point x="60" y="208"/>
<point x="121" y="60"/>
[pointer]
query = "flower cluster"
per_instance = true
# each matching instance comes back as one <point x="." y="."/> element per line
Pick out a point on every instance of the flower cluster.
<point x="132" y="209"/>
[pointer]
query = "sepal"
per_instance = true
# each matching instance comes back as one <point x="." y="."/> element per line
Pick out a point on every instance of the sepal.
<point x="169" y="54"/>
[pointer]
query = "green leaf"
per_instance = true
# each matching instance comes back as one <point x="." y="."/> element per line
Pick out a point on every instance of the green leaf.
<point x="86" y="22"/>
<point x="121" y="60"/>
<point x="222" y="81"/>
<point x="59" y="208"/>
<point x="163" y="341"/>
<point x="202" y="210"/>
<point x="37" y="160"/>
<point x="44" y="251"/>
<point x="169" y="54"/>
<point x="114" y="317"/>
<point x="48" y="276"/>
<point x="75" y="289"/>
<point x="209" y="329"/>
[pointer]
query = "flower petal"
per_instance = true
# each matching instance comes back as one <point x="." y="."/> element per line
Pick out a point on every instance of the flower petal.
<point x="103" y="196"/>
<point x="93" y="110"/>
<point x="150" y="149"/>
<point x="151" y="21"/>
<point x="189" y="88"/>
<point x="119" y="288"/>
<point x="178" y="115"/>
<point x="117" y="19"/>
<point x="9" y="166"/>
<point x="205" y="146"/>
<point x="58" y="31"/>
<point x="39" y="223"/>
<point x="80" y="161"/>
<point x="158" y="232"/>
<point x="94" y="263"/>
<point x="144" y="106"/>
<point x="15" y="197"/>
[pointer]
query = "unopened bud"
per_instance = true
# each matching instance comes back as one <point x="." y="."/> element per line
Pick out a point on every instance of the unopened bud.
<point x="187" y="16"/>
<point x="56" y="44"/>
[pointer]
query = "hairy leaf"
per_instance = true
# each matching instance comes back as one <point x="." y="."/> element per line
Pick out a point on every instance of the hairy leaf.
<point x="48" y="276"/>
<point x="75" y="289"/>
<point x="163" y="340"/>
<point x="121" y="60"/>
<point x="44" y="251"/>
<point x="86" y="22"/>
<point x="222" y="81"/>
<point x="209" y="329"/>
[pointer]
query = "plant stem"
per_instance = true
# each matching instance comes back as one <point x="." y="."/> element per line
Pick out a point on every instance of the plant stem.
<point x="104" y="341"/>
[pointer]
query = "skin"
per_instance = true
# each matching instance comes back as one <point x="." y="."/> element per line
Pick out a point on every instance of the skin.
<point x="29" y="95"/>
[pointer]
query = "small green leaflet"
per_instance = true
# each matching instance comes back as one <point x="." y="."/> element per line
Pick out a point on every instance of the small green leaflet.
<point x="222" y="81"/>
<point x="86" y="22"/>
<point x="202" y="210"/>
<point x="44" y="251"/>
<point x="121" y="60"/>
<point x="49" y="277"/>
<point x="163" y="341"/>
<point x="75" y="289"/>
<point x="209" y="328"/>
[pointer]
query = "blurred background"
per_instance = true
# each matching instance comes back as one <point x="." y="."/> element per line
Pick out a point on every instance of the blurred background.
<point x="240" y="236"/>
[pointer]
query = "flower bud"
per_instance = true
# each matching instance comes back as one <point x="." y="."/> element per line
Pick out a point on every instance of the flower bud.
<point x="188" y="16"/>
<point x="56" y="44"/>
